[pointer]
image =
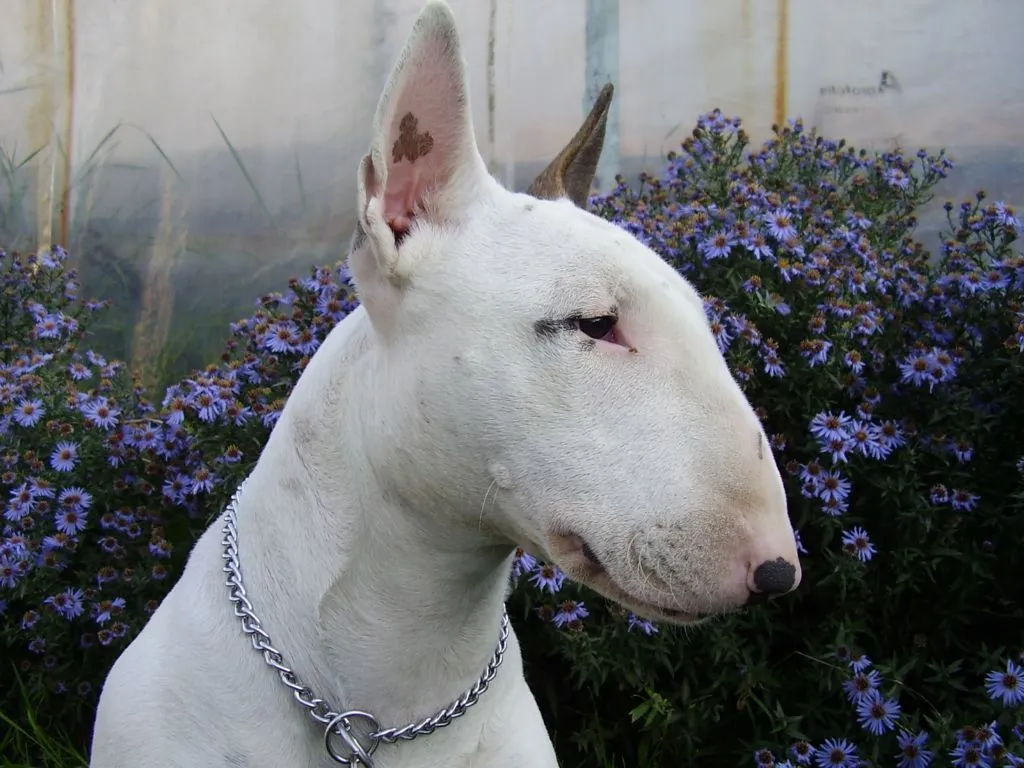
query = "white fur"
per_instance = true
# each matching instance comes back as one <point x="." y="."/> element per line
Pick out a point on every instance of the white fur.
<point x="434" y="430"/>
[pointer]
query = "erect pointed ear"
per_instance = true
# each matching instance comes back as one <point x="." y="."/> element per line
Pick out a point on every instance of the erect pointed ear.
<point x="423" y="162"/>
<point x="571" y="173"/>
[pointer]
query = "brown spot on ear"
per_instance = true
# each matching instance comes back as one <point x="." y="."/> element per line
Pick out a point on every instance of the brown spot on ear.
<point x="760" y="451"/>
<point x="410" y="143"/>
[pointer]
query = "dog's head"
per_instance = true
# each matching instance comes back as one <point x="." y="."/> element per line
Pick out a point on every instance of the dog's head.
<point x="553" y="379"/>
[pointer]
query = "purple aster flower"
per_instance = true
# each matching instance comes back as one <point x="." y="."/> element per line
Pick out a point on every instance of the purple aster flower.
<point x="177" y="487"/>
<point x="833" y="486"/>
<point x="49" y="326"/>
<point x="877" y="715"/>
<point x="780" y="224"/>
<point x="75" y="499"/>
<point x="203" y="480"/>
<point x="1005" y="215"/>
<point x="961" y="450"/>
<point x="772" y="364"/>
<point x="20" y="504"/>
<point x="105" y="610"/>
<point x="549" y="577"/>
<point x="29" y="412"/>
<point x="636" y="622"/>
<point x="827" y="426"/>
<point x="722" y="336"/>
<point x="988" y="736"/>
<point x="70" y="522"/>
<point x="815" y="351"/>
<point x="969" y="755"/>
<point x="522" y="562"/>
<point x="78" y="372"/>
<point x="67" y="603"/>
<point x="283" y="337"/>
<point x="160" y="548"/>
<point x="964" y="501"/>
<point x="569" y="611"/>
<point x="758" y="246"/>
<point x="859" y="662"/>
<point x="854" y="361"/>
<point x="914" y="369"/>
<point x="837" y="450"/>
<point x="718" y="245"/>
<point x="802" y="752"/>
<point x="175" y="410"/>
<point x="912" y="750"/>
<point x="11" y="571"/>
<point x="208" y="406"/>
<point x="862" y="685"/>
<point x="863" y="438"/>
<point x="857" y="540"/>
<point x="836" y="753"/>
<point x="858" y="220"/>
<point x="65" y="456"/>
<point x="1006" y="685"/>
<point x="895" y="177"/>
<point x="100" y="412"/>
<point x="939" y="494"/>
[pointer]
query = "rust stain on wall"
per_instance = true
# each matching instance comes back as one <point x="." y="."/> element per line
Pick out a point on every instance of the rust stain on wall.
<point x="781" y="62"/>
<point x="69" y="118"/>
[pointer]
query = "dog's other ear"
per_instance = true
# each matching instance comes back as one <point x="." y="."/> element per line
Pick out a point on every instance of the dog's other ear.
<point x="423" y="162"/>
<point x="571" y="173"/>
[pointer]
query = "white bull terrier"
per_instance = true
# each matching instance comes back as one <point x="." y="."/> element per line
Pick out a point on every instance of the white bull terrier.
<point x="519" y="371"/>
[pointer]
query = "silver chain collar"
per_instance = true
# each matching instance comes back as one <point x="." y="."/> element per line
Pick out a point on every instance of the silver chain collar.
<point x="353" y="752"/>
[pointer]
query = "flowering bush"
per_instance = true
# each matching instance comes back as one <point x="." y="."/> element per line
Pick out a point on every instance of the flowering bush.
<point x="86" y="552"/>
<point x="889" y="381"/>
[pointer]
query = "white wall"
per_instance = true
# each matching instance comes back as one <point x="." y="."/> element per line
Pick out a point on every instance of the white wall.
<point x="303" y="76"/>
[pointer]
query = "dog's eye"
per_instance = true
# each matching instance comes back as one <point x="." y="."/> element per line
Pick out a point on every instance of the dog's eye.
<point x="597" y="327"/>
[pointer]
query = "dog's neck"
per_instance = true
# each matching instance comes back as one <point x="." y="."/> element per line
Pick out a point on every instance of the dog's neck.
<point x="375" y="606"/>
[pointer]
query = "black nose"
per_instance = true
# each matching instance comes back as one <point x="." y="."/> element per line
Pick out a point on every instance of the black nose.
<point x="774" y="577"/>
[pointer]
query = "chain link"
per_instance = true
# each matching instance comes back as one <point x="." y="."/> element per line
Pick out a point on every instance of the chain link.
<point x="339" y="724"/>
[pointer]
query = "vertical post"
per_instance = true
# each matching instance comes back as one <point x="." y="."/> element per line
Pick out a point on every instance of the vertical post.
<point x="69" y="116"/>
<point x="50" y="119"/>
<point x="603" y="66"/>
<point x="782" y="63"/>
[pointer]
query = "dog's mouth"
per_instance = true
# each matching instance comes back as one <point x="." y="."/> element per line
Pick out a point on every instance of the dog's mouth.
<point x="577" y="558"/>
